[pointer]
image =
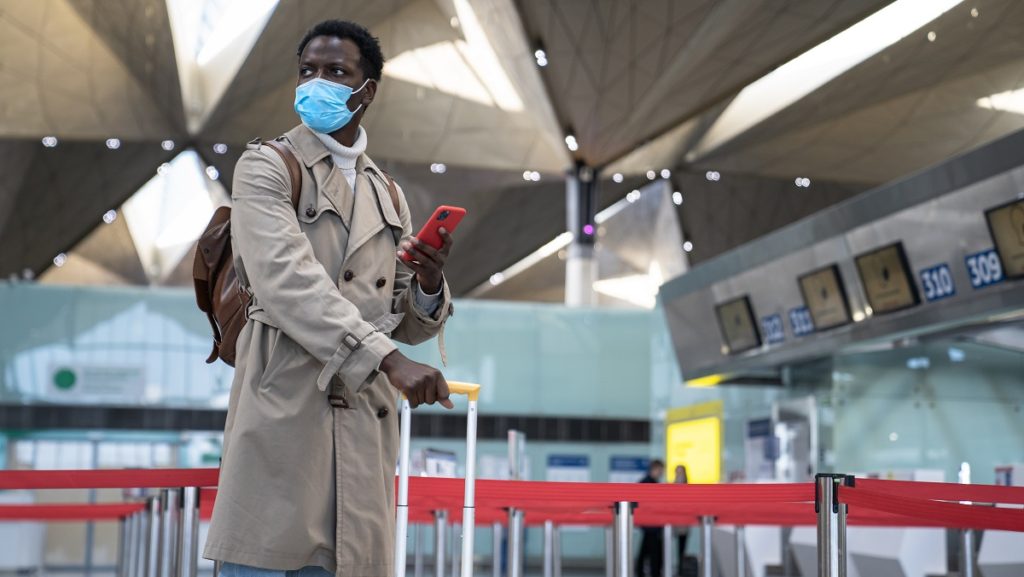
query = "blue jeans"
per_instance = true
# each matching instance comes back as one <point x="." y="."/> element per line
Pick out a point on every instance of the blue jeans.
<point x="233" y="570"/>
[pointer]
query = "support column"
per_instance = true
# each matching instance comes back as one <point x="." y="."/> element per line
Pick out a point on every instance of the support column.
<point x="169" y="533"/>
<point x="153" y="543"/>
<point x="549" y="548"/>
<point x="418" y="551"/>
<point x="967" y="561"/>
<point x="457" y="538"/>
<point x="706" y="522"/>
<point x="580" y="265"/>
<point x="609" y="552"/>
<point x="557" y="544"/>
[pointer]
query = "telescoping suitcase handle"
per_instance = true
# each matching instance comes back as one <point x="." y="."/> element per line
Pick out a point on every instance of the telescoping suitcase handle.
<point x="472" y="392"/>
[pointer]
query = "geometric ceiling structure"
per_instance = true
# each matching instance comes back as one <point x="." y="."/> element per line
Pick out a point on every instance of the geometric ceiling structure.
<point x="474" y="109"/>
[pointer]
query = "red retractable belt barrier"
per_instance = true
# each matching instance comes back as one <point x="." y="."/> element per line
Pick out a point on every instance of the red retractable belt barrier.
<point x="872" y="502"/>
<point x="948" y="514"/>
<point x="109" y="479"/>
<point x="48" y="512"/>
<point x="945" y="491"/>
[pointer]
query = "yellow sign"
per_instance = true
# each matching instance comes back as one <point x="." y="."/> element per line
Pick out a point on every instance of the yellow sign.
<point x="693" y="438"/>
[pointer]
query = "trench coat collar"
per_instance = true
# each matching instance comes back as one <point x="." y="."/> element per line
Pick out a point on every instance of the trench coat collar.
<point x="365" y="204"/>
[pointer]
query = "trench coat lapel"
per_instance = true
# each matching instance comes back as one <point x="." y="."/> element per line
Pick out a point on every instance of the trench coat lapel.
<point x="373" y="209"/>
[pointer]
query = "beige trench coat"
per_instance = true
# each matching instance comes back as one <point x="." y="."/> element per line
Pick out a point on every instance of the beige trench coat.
<point x="303" y="482"/>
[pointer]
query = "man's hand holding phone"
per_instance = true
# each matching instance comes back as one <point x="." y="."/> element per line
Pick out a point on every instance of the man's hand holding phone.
<point x="426" y="261"/>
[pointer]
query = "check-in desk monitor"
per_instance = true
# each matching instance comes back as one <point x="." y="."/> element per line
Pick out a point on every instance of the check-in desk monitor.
<point x="886" y="277"/>
<point x="825" y="297"/>
<point x="1006" y="224"/>
<point x="736" y="319"/>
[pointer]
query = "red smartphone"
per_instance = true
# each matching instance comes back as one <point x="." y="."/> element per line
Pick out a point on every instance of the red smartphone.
<point x="445" y="216"/>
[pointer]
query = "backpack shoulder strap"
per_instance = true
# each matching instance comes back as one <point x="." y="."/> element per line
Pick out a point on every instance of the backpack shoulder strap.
<point x="393" y="191"/>
<point x="294" y="171"/>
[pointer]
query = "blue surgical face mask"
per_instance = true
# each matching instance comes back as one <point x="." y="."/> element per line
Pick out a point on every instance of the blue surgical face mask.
<point x="323" y="105"/>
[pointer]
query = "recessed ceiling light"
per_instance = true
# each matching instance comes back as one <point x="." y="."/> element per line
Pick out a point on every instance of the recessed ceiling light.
<point x="50" y="141"/>
<point x="212" y="172"/>
<point x="651" y="175"/>
<point x="677" y="198"/>
<point x="113" y="143"/>
<point x="570" y="141"/>
<point x="932" y="36"/>
<point x="665" y="173"/>
<point x="688" y="246"/>
<point x="167" y="145"/>
<point x="497" y="278"/>
<point x="220" y="148"/>
<point x="110" y="216"/>
<point x="60" y="260"/>
<point x="617" y="177"/>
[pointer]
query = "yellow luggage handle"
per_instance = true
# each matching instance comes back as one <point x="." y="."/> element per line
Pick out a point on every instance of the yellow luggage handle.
<point x="471" y="390"/>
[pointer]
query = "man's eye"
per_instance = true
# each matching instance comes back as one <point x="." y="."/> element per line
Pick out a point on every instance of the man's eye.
<point x="337" y="71"/>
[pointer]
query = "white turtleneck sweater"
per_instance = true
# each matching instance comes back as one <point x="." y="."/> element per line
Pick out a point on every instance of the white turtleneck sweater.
<point x="344" y="158"/>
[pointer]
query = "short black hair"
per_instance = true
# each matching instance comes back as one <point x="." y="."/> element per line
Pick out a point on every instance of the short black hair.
<point x="371" y="59"/>
<point x="656" y="463"/>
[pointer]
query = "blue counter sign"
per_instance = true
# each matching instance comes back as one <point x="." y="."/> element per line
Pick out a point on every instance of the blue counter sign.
<point x="801" y="321"/>
<point x="937" y="282"/>
<point x="984" y="268"/>
<point x="772" y="329"/>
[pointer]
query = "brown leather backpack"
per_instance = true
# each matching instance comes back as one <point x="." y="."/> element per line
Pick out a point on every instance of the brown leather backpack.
<point x="218" y="293"/>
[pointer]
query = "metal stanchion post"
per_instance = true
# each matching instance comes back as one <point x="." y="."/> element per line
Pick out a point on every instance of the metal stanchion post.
<point x="168" y="533"/>
<point x="515" y="543"/>
<point x="189" y="547"/>
<point x="557" y="544"/>
<point x="967" y="564"/>
<point x="122" y="547"/>
<point x="418" y="551"/>
<point x="141" y="552"/>
<point x="666" y="551"/>
<point x="623" y="539"/>
<point x="440" y="528"/>
<point x="609" y="552"/>
<point x="549" y="548"/>
<point x="457" y="538"/>
<point x="496" y="532"/>
<point x="131" y="556"/>
<point x="153" y="539"/>
<point x="706" y="522"/>
<point x="827" y="506"/>
<point x="741" y="551"/>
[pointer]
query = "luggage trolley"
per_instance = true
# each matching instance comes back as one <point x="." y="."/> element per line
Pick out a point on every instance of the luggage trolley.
<point x="472" y="392"/>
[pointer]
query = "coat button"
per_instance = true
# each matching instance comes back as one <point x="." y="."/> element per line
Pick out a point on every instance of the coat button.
<point x="310" y="211"/>
<point x="349" y="275"/>
<point x="383" y="412"/>
<point x="381" y="282"/>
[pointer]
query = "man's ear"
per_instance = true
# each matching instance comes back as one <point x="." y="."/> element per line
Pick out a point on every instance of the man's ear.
<point x="370" y="92"/>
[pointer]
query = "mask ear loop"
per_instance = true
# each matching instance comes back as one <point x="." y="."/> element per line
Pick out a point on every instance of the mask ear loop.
<point x="358" y="90"/>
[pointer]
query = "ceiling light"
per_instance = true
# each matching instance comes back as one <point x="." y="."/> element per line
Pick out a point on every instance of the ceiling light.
<point x="167" y="145"/>
<point x="803" y="182"/>
<point x="212" y="172"/>
<point x="811" y="70"/>
<point x="113" y="143"/>
<point x="438" y="168"/>
<point x="918" y="363"/>
<point x="526" y="175"/>
<point x="651" y="175"/>
<point x="633" y="196"/>
<point x="974" y="13"/>
<point x="50" y="141"/>
<point x="454" y="22"/>
<point x="497" y="278"/>
<point x="60" y="260"/>
<point x="163" y="169"/>
<point x="713" y="176"/>
<point x="535" y="176"/>
<point x="858" y="316"/>
<point x="617" y="177"/>
<point x="956" y="355"/>
<point x="1009" y="101"/>
<point x="110" y="216"/>
<point x="541" y="56"/>
<point x="893" y="437"/>
<point x="677" y="198"/>
<point x="570" y="141"/>
<point x="932" y="36"/>
<point x="665" y="173"/>
<point x="639" y="289"/>
<point x="688" y="246"/>
<point x="220" y="148"/>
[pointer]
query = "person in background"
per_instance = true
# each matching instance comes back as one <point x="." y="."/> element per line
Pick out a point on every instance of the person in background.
<point x="684" y="532"/>
<point x="651" y="547"/>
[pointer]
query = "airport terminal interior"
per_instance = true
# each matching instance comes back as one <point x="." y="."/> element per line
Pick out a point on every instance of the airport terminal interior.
<point x="768" y="254"/>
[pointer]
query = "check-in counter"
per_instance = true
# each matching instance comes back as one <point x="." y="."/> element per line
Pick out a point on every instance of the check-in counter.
<point x="878" y="551"/>
<point x="762" y="545"/>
